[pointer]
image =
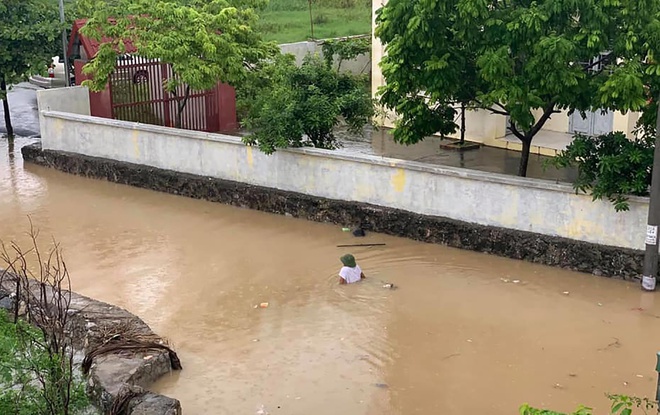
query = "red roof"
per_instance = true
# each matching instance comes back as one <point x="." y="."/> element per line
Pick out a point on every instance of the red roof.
<point x="91" y="46"/>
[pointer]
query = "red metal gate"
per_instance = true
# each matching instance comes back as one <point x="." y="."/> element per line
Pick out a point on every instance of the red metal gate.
<point x="137" y="93"/>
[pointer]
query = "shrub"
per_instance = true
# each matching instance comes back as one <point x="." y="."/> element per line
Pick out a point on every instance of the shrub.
<point x="300" y="106"/>
<point x="610" y="166"/>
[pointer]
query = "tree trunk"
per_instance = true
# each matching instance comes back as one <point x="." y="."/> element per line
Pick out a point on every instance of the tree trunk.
<point x="462" y="123"/>
<point x="5" y="106"/>
<point x="181" y="106"/>
<point x="524" y="157"/>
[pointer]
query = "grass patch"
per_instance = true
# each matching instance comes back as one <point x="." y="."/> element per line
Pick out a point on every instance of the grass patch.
<point x="287" y="21"/>
<point x="23" y="365"/>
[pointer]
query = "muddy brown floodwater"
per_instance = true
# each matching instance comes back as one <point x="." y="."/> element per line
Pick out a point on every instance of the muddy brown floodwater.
<point x="455" y="338"/>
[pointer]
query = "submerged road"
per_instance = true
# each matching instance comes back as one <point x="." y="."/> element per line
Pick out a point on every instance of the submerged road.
<point x="465" y="333"/>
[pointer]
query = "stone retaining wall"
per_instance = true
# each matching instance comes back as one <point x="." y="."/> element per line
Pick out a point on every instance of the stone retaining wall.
<point x="533" y="247"/>
<point x="113" y="374"/>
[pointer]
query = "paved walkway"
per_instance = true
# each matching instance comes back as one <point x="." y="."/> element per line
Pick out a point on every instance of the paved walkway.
<point x="489" y="159"/>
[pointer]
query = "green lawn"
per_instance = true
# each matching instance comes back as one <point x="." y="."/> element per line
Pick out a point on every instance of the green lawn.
<point x="287" y="21"/>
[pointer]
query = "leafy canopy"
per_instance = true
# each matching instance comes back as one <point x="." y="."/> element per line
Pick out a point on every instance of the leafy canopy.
<point x="204" y="41"/>
<point x="29" y="31"/>
<point x="300" y="106"/>
<point x="520" y="58"/>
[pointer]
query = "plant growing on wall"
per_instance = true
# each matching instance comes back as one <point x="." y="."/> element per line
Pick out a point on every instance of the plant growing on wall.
<point x="29" y="30"/>
<point x="345" y="49"/>
<point x="203" y="42"/>
<point x="300" y="106"/>
<point x="523" y="60"/>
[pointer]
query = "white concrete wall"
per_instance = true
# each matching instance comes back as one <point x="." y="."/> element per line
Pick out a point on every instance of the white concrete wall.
<point x="361" y="64"/>
<point x="73" y="100"/>
<point x="488" y="199"/>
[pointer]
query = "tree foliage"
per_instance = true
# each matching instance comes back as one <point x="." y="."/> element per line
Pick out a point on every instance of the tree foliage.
<point x="28" y="33"/>
<point x="522" y="59"/>
<point x="300" y="106"/>
<point x="203" y="41"/>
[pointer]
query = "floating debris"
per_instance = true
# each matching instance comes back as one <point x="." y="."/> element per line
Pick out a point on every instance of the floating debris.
<point x="262" y="411"/>
<point x="504" y="280"/>
<point x="516" y="281"/>
<point x="263" y="305"/>
<point x="381" y="385"/>
<point x="389" y="285"/>
<point x="359" y="232"/>
<point x="566" y="293"/>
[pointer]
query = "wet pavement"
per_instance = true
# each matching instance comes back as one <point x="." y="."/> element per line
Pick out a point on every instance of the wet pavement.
<point x="487" y="159"/>
<point x="23" y="110"/>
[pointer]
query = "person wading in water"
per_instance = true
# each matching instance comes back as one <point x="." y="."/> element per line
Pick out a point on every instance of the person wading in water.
<point x="351" y="271"/>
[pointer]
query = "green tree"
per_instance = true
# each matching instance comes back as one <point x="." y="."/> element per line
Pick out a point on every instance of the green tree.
<point x="203" y="41"/>
<point x="522" y="59"/>
<point x="300" y="106"/>
<point x="28" y="33"/>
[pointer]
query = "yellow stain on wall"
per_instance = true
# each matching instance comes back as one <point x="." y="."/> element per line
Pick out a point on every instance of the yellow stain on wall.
<point x="399" y="180"/>
<point x="249" y="156"/>
<point x="136" y="143"/>
<point x="582" y="224"/>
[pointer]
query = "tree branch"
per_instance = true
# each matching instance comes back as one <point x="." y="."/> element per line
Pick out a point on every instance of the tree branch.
<point x="547" y="113"/>
<point x="520" y="136"/>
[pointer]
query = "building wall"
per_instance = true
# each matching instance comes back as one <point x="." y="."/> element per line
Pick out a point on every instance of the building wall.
<point x="359" y="65"/>
<point x="537" y="206"/>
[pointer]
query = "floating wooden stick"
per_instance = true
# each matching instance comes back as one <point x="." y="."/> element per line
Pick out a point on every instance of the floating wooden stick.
<point x="352" y="245"/>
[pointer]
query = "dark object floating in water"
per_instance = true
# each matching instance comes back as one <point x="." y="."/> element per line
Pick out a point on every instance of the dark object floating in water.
<point x="358" y="232"/>
<point x="351" y="245"/>
<point x="381" y="385"/>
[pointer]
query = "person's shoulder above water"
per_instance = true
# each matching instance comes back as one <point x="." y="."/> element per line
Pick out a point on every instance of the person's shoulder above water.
<point x="351" y="271"/>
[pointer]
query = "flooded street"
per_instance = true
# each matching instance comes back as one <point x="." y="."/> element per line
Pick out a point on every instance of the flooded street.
<point x="458" y="337"/>
<point x="454" y="338"/>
